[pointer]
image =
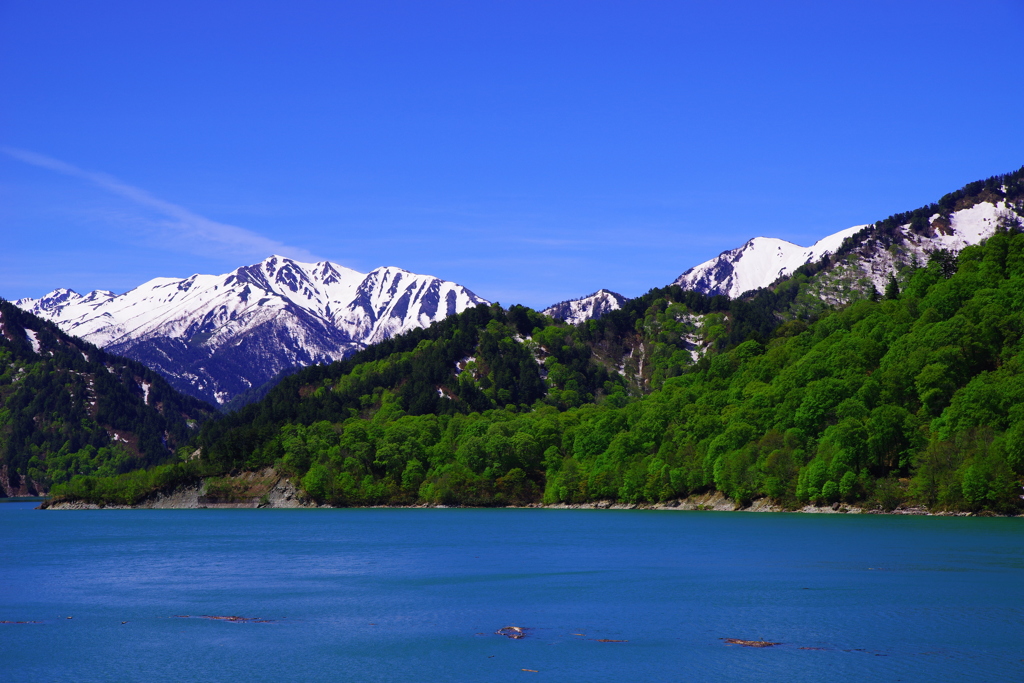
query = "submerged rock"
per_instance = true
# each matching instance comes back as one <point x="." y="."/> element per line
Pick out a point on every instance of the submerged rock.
<point x="514" y="632"/>
<point x="749" y="643"/>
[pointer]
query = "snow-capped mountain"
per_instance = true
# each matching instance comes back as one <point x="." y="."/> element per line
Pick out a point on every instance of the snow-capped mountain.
<point x="589" y="307"/>
<point x="849" y="263"/>
<point x="763" y="260"/>
<point x="215" y="336"/>
<point x="758" y="263"/>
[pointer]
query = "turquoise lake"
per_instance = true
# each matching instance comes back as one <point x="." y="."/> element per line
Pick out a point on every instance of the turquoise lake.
<point x="417" y="595"/>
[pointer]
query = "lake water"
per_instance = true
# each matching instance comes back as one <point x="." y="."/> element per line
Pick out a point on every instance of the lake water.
<point x="417" y="595"/>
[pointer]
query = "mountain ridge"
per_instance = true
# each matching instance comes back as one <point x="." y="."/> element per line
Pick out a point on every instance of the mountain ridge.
<point x="575" y="311"/>
<point x="762" y="261"/>
<point x="215" y="336"/>
<point x="219" y="337"/>
<point x="852" y="262"/>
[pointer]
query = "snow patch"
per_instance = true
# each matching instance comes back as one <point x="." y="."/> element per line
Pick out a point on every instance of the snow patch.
<point x="33" y="339"/>
<point x="461" y="364"/>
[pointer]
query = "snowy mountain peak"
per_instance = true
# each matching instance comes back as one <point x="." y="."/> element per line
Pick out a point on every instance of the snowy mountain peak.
<point x="758" y="263"/>
<point x="214" y="336"/>
<point x="763" y="260"/>
<point x="588" y="307"/>
<point x="55" y="299"/>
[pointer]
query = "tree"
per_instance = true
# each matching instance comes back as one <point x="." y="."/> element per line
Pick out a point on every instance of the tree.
<point x="892" y="288"/>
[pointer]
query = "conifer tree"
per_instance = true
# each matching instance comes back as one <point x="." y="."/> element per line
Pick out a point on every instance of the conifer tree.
<point x="892" y="288"/>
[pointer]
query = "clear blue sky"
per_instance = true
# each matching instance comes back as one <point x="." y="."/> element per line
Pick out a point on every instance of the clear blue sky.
<point x="532" y="151"/>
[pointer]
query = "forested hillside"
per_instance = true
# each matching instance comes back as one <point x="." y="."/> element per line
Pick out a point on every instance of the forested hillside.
<point x="868" y="258"/>
<point x="910" y="396"/>
<point x="68" y="408"/>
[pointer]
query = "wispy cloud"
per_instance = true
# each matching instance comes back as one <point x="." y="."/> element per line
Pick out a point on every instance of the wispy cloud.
<point x="188" y="227"/>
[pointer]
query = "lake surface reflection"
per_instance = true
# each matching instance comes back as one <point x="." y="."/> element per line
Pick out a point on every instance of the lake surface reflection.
<point x="417" y="595"/>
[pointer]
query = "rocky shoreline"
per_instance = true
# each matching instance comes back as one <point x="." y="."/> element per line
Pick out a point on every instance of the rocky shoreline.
<point x="265" y="489"/>
<point x="718" y="503"/>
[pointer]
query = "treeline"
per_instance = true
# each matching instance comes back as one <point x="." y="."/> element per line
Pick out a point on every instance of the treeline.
<point x="488" y="357"/>
<point x="71" y="408"/>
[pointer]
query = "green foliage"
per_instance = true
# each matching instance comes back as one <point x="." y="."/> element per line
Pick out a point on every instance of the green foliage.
<point x="128" y="488"/>
<point x="71" y="409"/>
<point x="892" y="288"/>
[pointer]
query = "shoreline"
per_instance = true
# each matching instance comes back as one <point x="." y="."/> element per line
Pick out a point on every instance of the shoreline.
<point x="283" y="494"/>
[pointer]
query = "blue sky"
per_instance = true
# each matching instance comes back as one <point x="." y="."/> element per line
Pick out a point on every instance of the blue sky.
<point x="531" y="151"/>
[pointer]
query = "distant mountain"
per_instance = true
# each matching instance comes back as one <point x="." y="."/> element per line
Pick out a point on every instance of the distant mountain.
<point x="216" y="336"/>
<point x="847" y="264"/>
<point x="67" y="408"/>
<point x="866" y="255"/>
<point x="592" y="306"/>
<point x="758" y="263"/>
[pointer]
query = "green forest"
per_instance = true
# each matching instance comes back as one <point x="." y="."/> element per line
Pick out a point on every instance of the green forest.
<point x="70" y="408"/>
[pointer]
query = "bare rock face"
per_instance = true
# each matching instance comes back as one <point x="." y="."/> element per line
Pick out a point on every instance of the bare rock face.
<point x="216" y="336"/>
<point x="259" y="489"/>
<point x="17" y="486"/>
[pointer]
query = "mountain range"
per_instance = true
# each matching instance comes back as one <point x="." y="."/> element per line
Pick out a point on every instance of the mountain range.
<point x="216" y="336"/>
<point x="906" y="395"/>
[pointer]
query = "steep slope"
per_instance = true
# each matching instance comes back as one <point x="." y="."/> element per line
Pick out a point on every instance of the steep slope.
<point x="862" y="257"/>
<point x="67" y="408"/>
<point x="758" y="263"/>
<point x="215" y="336"/>
<point x="575" y="311"/>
